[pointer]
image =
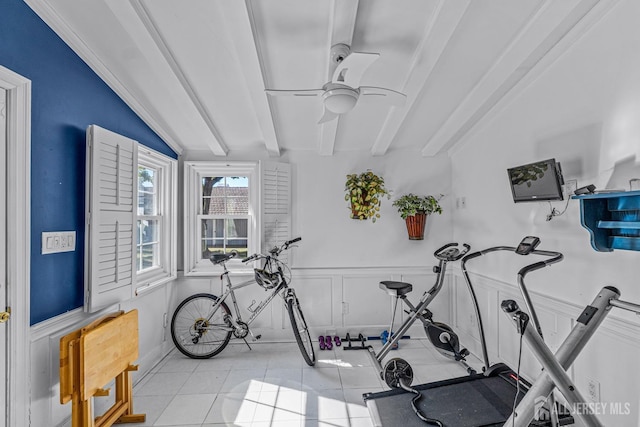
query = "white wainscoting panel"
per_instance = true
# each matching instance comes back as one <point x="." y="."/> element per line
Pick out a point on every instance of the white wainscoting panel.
<point x="464" y="318"/>
<point x="154" y="344"/>
<point x="334" y="301"/>
<point x="441" y="306"/>
<point x="366" y="306"/>
<point x="316" y="296"/>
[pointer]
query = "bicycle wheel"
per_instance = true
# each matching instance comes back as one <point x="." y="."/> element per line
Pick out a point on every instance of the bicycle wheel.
<point x="196" y="331"/>
<point x="300" y="331"/>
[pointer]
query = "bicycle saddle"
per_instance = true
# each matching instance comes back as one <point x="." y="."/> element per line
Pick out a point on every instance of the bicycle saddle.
<point x="217" y="258"/>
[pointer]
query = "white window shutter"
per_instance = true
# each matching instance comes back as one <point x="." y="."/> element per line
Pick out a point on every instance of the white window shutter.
<point x="275" y="204"/>
<point x="112" y="161"/>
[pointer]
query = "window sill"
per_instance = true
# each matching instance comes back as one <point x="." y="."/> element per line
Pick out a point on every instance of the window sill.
<point x="154" y="283"/>
<point x="216" y="271"/>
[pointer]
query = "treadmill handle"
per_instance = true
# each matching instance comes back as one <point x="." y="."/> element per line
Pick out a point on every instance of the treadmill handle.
<point x="556" y="257"/>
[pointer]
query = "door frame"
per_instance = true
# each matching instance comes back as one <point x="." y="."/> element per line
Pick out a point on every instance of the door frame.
<point x="18" y="239"/>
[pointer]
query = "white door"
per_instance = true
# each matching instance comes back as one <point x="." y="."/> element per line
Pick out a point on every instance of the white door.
<point x="3" y="257"/>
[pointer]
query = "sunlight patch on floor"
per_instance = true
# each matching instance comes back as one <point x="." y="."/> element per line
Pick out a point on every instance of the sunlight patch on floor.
<point x="275" y="404"/>
<point x="335" y="362"/>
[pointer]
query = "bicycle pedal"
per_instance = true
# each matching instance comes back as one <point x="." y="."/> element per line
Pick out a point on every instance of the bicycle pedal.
<point x="257" y="337"/>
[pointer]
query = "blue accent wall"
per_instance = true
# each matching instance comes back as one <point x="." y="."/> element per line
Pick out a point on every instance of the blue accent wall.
<point x="67" y="96"/>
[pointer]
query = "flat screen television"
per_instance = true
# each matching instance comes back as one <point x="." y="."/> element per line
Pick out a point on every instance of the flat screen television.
<point x="535" y="182"/>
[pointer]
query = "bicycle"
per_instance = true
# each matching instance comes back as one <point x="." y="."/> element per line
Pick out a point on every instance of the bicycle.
<point x="202" y="324"/>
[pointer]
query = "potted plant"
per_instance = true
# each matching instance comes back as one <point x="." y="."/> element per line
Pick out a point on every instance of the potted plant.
<point x="364" y="193"/>
<point x="414" y="210"/>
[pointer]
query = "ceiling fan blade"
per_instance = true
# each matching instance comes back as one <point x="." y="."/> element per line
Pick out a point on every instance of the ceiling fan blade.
<point x="378" y="94"/>
<point x="327" y="116"/>
<point x="350" y="70"/>
<point x="302" y="92"/>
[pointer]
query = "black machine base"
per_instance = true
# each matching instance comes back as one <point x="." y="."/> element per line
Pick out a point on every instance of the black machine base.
<point x="472" y="401"/>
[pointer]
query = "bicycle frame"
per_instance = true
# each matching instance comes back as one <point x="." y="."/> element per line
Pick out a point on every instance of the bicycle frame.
<point x="203" y="324"/>
<point x="255" y="312"/>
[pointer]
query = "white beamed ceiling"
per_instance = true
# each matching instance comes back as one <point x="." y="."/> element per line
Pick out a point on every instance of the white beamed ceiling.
<point x="196" y="71"/>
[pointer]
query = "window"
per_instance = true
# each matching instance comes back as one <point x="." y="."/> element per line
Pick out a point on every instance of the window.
<point x="155" y="219"/>
<point x="239" y="206"/>
<point x="225" y="217"/>
<point x="147" y="242"/>
<point x="131" y="244"/>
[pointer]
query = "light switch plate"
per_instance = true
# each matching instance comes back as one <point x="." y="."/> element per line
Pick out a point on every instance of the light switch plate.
<point x="58" y="241"/>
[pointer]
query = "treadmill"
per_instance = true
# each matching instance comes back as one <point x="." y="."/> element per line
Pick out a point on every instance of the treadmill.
<point x="479" y="400"/>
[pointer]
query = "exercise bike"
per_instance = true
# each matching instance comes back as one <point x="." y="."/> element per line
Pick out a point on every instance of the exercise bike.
<point x="443" y="338"/>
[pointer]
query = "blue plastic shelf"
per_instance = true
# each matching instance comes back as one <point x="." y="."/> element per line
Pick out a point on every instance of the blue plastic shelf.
<point x="613" y="220"/>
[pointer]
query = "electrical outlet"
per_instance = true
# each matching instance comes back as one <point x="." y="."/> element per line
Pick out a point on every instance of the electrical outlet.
<point x="345" y="308"/>
<point x="570" y="186"/>
<point x="593" y="390"/>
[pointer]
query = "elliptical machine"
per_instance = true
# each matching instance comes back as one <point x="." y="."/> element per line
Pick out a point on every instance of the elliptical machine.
<point x="443" y="338"/>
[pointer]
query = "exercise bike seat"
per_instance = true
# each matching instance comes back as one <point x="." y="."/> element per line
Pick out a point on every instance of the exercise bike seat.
<point x="396" y="289"/>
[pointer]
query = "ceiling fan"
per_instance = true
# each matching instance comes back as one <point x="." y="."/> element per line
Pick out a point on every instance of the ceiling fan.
<point x="343" y="92"/>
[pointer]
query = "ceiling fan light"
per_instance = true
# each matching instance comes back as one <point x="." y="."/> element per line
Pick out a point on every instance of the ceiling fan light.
<point x="340" y="101"/>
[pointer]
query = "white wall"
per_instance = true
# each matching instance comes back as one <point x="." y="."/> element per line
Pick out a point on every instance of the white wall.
<point x="332" y="239"/>
<point x="340" y="261"/>
<point x="584" y="110"/>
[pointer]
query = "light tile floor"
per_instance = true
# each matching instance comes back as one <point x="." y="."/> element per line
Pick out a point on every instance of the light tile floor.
<point x="272" y="386"/>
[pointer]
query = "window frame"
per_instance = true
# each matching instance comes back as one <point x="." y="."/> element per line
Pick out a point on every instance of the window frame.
<point x="166" y="205"/>
<point x="194" y="171"/>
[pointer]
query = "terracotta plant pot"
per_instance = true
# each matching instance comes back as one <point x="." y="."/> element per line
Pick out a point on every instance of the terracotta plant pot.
<point x="415" y="226"/>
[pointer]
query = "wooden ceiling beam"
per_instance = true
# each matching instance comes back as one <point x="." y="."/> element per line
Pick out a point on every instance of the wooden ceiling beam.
<point x="48" y="14"/>
<point x="343" y="23"/>
<point x="247" y="47"/>
<point x="438" y="32"/>
<point x="552" y="21"/>
<point x="215" y="142"/>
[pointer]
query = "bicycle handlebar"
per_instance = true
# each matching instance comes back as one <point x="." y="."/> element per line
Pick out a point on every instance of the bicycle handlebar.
<point x="275" y="251"/>
<point x="289" y="242"/>
<point x="250" y="258"/>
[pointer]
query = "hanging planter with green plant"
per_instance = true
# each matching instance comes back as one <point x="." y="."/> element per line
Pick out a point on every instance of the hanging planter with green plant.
<point x="414" y="210"/>
<point x="364" y="192"/>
